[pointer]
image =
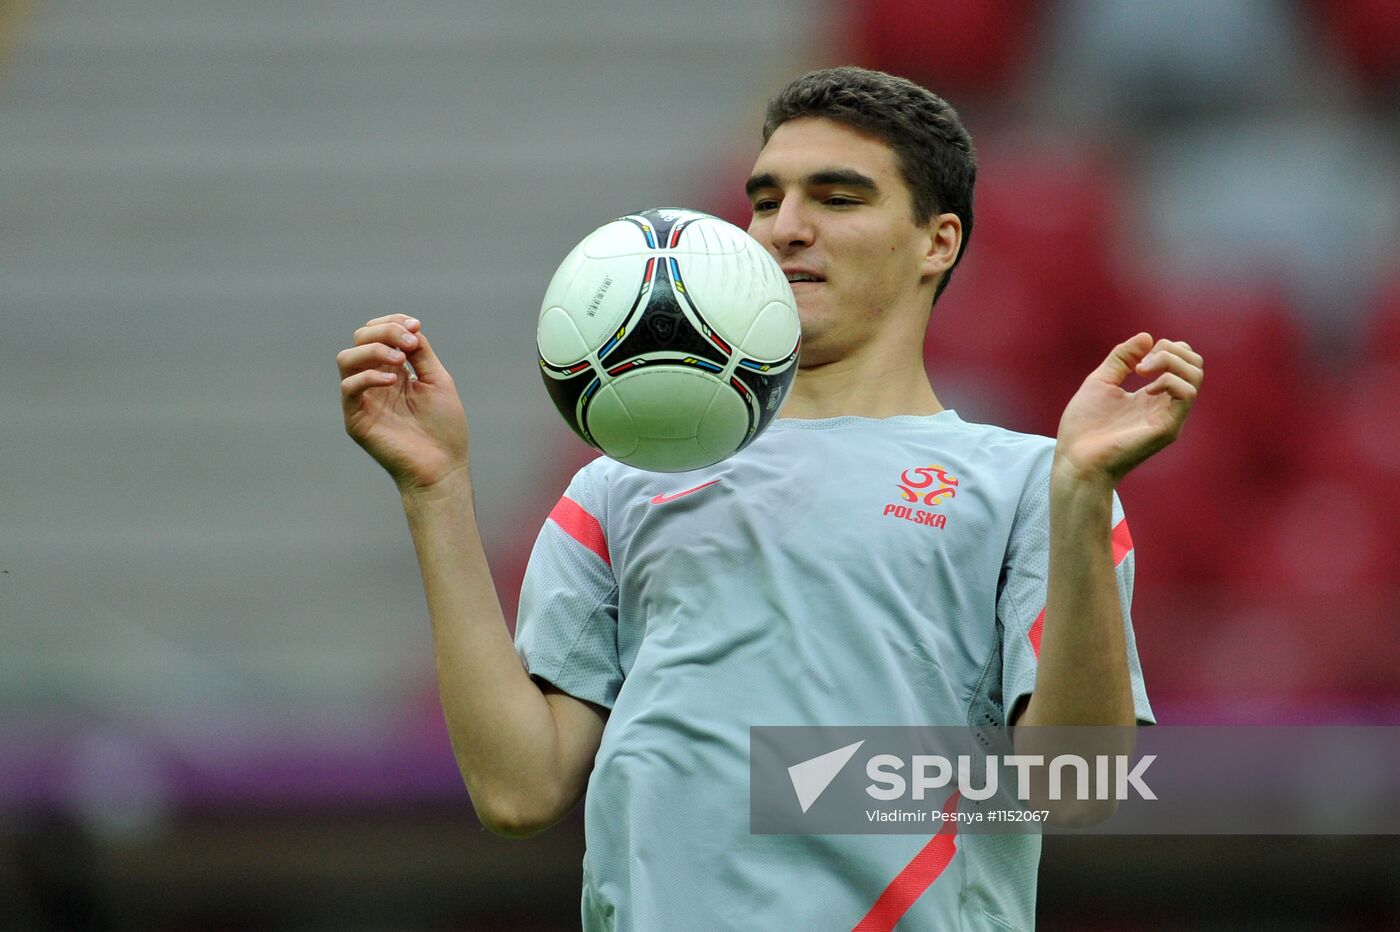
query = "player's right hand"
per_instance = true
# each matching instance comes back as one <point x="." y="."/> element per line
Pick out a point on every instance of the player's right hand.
<point x="412" y="423"/>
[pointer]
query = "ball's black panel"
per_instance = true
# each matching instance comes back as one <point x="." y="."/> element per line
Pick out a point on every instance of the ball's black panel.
<point x="706" y="331"/>
<point x="666" y="359"/>
<point x="767" y="383"/>
<point x="662" y="226"/>
<point x="566" y="392"/>
<point x="662" y="326"/>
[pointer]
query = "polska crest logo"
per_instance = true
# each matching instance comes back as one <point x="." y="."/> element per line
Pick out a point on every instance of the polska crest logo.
<point x="923" y="485"/>
<point x="930" y="485"/>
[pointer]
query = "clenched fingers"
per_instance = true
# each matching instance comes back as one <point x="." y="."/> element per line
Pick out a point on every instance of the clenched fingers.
<point x="1173" y="385"/>
<point x="1173" y="358"/>
<point x="1178" y="348"/>
<point x="369" y="356"/>
<point x="378" y="356"/>
<point x="408" y="323"/>
<point x="354" y="386"/>
<point x="390" y="333"/>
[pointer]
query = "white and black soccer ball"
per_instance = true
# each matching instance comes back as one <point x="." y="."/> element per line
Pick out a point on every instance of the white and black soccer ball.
<point x="668" y="339"/>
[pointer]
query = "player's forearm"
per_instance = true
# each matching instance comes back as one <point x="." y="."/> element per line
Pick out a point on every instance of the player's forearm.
<point x="1082" y="677"/>
<point x="503" y="732"/>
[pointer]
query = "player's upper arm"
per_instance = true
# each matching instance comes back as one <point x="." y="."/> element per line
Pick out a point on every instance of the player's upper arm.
<point x="579" y="726"/>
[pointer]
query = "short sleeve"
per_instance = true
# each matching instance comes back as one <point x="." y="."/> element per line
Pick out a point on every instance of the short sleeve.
<point x="566" y="629"/>
<point x="1021" y="601"/>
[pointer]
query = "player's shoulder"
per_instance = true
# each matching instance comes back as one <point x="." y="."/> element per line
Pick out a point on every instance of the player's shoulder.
<point x="603" y="473"/>
<point x="1024" y="460"/>
<point x="591" y="480"/>
<point x="1011" y="449"/>
<point x="995" y="433"/>
<point x="603" y="478"/>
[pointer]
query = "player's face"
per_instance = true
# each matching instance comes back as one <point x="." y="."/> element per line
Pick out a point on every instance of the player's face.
<point x="830" y="204"/>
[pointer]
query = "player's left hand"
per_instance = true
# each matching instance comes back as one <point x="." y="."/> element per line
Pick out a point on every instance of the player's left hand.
<point x="1105" y="430"/>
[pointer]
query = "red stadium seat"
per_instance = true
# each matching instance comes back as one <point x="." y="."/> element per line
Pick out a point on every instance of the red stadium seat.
<point x="1259" y="656"/>
<point x="1259" y="376"/>
<point x="1364" y="33"/>
<point x="1321" y="537"/>
<point x="1269" y="650"/>
<point x="1382" y="340"/>
<point x="1185" y="506"/>
<point x="1036" y="300"/>
<point x="958" y="48"/>
<point x="1052" y="211"/>
<point x="1364" y="438"/>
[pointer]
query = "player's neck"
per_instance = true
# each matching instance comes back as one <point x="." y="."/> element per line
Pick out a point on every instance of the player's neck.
<point x="846" y="387"/>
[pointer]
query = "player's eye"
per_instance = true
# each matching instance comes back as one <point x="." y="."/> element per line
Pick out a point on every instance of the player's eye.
<point x="764" y="204"/>
<point x="839" y="201"/>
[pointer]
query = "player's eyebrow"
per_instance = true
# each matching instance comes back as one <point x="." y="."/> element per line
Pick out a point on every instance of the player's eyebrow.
<point x="843" y="177"/>
<point x="847" y="177"/>
<point x="759" y="182"/>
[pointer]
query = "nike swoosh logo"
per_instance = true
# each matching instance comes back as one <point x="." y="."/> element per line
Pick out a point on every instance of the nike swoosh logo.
<point x="663" y="499"/>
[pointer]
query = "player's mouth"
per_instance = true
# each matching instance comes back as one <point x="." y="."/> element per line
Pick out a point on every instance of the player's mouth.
<point x="796" y="277"/>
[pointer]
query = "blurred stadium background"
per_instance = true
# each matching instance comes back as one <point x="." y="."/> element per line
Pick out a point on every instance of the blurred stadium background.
<point x="217" y="706"/>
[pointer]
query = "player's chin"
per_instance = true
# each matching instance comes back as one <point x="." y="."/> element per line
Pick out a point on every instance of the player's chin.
<point x="808" y="294"/>
<point x="815" y="351"/>
<point x="812" y="312"/>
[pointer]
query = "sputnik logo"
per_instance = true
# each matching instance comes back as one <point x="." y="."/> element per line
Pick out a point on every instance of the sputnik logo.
<point x="811" y="777"/>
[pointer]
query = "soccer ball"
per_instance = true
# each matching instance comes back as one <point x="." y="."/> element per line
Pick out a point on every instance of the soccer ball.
<point x="668" y="339"/>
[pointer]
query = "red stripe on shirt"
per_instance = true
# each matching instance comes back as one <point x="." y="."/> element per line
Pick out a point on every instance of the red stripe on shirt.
<point x="1034" y="633"/>
<point x="581" y="526"/>
<point x="1122" y="546"/>
<point x="918" y="875"/>
<point x="1122" y="542"/>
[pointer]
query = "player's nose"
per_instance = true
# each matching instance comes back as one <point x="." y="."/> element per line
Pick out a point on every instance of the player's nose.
<point x="792" y="226"/>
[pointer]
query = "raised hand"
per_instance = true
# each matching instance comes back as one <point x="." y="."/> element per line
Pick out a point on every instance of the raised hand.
<point x="1105" y="430"/>
<point x="411" y="422"/>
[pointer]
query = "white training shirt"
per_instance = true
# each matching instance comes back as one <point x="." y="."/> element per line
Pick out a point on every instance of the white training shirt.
<point x="842" y="571"/>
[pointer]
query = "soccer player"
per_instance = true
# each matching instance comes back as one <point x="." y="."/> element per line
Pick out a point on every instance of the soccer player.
<point x="872" y="559"/>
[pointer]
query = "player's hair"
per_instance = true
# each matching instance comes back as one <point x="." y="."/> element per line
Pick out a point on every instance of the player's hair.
<point x="931" y="147"/>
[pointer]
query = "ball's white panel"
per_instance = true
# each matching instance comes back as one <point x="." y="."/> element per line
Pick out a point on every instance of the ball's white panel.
<point x="596" y="294"/>
<point x="731" y="289"/>
<point x="669" y="455"/>
<point x="723" y="425"/>
<point x="649" y="418"/>
<point x="665" y="403"/>
<point x="711" y="236"/>
<point x="611" y="425"/>
<point x="773" y="334"/>
<point x="618" y="238"/>
<point x="559" y="340"/>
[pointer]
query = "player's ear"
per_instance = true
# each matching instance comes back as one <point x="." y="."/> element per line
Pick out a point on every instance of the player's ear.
<point x="944" y="239"/>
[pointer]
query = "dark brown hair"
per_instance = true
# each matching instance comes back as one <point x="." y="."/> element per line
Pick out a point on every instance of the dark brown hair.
<point x="932" y="149"/>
